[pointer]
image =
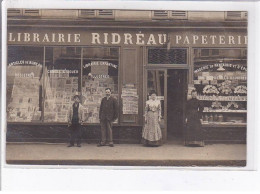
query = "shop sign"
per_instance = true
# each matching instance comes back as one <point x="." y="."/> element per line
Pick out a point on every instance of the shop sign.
<point x="221" y="67"/>
<point x="24" y="69"/>
<point x="99" y="69"/>
<point x="31" y="74"/>
<point x="100" y="63"/>
<point x="63" y="71"/>
<point x="24" y="62"/>
<point x="210" y="40"/>
<point x="176" y="38"/>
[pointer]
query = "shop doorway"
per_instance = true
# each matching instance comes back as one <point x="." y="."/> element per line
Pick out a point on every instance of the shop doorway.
<point x="176" y="98"/>
<point x="170" y="86"/>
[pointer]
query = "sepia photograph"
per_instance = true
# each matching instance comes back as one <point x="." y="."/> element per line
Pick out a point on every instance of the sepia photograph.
<point x="126" y="87"/>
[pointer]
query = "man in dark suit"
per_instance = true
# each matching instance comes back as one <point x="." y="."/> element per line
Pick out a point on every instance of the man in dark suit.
<point x="108" y="113"/>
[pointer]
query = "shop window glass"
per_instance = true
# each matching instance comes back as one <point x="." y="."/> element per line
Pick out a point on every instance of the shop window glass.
<point x="221" y="83"/>
<point x="167" y="56"/>
<point x="24" y="83"/>
<point x="61" y="81"/>
<point x="204" y="52"/>
<point x="100" y="71"/>
<point x="214" y="52"/>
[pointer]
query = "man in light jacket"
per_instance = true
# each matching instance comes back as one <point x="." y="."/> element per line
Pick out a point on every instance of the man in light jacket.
<point x="75" y="119"/>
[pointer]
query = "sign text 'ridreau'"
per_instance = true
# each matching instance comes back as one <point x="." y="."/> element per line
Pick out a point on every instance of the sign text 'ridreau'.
<point x="95" y="38"/>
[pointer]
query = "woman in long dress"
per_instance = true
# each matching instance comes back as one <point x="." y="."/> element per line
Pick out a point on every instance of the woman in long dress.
<point x="194" y="133"/>
<point x="152" y="134"/>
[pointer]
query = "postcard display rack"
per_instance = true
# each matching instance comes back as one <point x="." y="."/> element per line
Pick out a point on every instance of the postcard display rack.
<point x="23" y="104"/>
<point x="224" y="97"/>
<point x="60" y="87"/>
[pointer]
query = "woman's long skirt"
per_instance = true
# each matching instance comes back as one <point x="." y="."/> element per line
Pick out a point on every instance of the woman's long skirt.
<point x="194" y="133"/>
<point x="152" y="134"/>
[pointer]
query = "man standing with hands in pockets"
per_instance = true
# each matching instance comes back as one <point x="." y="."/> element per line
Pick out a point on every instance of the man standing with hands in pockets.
<point x="108" y="113"/>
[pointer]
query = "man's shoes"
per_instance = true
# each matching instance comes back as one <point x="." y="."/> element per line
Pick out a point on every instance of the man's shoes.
<point x="79" y="145"/>
<point x="100" y="144"/>
<point x="70" y="145"/>
<point x="111" y="145"/>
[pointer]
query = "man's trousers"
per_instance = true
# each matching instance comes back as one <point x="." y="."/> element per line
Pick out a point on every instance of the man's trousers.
<point x="106" y="132"/>
<point x="75" y="133"/>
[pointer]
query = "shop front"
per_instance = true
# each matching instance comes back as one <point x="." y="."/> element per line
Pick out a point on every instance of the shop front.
<point x="47" y="66"/>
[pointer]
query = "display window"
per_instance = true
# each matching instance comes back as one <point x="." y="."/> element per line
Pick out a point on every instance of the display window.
<point x="61" y="81"/>
<point x="99" y="71"/>
<point x="220" y="79"/>
<point x="24" y="84"/>
<point x="42" y="89"/>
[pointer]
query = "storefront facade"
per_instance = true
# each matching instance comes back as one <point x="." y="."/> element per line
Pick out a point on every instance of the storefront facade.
<point x="50" y="60"/>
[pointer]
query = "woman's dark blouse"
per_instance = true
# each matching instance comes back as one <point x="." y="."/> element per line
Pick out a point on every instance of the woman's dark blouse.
<point x="194" y="107"/>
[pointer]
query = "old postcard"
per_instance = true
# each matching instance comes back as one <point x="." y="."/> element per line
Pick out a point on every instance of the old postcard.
<point x="126" y="87"/>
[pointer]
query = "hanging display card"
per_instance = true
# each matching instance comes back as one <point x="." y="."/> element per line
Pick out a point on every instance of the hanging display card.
<point x="130" y="99"/>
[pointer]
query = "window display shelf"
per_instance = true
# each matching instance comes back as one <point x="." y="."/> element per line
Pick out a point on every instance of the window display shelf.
<point x="225" y="111"/>
<point x="221" y="86"/>
<point x="222" y="124"/>
<point x="222" y="98"/>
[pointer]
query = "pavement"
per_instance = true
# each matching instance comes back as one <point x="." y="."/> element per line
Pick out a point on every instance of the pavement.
<point x="169" y="154"/>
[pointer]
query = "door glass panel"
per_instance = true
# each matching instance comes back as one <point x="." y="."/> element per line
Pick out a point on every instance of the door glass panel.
<point x="155" y="81"/>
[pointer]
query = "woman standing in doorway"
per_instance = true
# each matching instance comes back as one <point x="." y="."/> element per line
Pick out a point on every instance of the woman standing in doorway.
<point x="152" y="134"/>
<point x="194" y="133"/>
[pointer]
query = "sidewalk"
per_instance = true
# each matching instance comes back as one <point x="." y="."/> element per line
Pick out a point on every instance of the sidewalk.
<point x="169" y="154"/>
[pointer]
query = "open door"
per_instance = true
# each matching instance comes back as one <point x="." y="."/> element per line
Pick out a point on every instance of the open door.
<point x="176" y="100"/>
<point x="156" y="80"/>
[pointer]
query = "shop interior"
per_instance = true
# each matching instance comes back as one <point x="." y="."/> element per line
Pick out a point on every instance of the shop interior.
<point x="176" y="98"/>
